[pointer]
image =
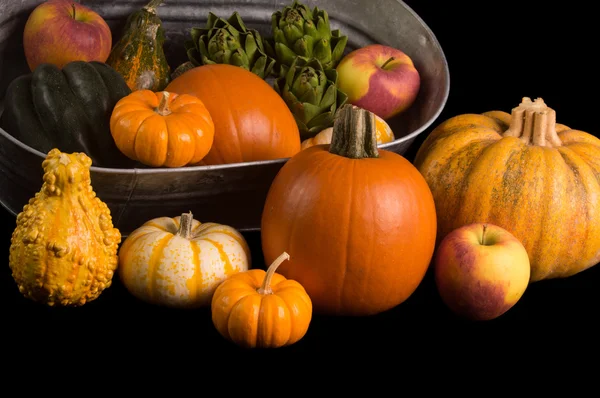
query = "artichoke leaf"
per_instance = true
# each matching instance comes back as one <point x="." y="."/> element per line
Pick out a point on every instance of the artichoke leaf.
<point x="228" y="41"/>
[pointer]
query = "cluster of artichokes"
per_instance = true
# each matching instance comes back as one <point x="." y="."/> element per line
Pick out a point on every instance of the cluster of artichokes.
<point x="301" y="56"/>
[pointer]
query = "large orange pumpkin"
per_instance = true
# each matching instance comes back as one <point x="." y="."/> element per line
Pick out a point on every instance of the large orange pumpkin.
<point x="536" y="178"/>
<point x="359" y="223"/>
<point x="251" y="120"/>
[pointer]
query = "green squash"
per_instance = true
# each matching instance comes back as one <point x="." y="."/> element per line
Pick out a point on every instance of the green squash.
<point x="68" y="109"/>
<point x="139" y="55"/>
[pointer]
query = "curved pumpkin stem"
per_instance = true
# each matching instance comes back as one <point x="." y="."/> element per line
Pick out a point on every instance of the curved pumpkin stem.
<point x="185" y="225"/>
<point x="535" y="123"/>
<point x="265" y="288"/>
<point x="354" y="133"/>
<point x="163" y="107"/>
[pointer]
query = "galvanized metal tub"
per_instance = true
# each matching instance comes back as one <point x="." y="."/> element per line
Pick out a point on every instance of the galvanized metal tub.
<point x="232" y="194"/>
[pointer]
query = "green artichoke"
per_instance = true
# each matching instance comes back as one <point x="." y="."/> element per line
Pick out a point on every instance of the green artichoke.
<point x="299" y="31"/>
<point x="311" y="94"/>
<point x="229" y="42"/>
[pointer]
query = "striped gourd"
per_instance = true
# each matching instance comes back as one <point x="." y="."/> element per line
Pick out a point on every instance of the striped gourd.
<point x="139" y="55"/>
<point x="179" y="262"/>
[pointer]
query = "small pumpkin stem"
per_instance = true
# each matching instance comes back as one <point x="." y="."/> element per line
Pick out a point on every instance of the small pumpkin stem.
<point x="185" y="225"/>
<point x="534" y="123"/>
<point x="354" y="133"/>
<point x="265" y="288"/>
<point x="163" y="108"/>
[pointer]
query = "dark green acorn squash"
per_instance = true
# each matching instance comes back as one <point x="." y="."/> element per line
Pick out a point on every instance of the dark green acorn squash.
<point x="139" y="55"/>
<point x="68" y="109"/>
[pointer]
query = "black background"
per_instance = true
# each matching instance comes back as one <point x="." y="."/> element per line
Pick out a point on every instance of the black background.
<point x="497" y="54"/>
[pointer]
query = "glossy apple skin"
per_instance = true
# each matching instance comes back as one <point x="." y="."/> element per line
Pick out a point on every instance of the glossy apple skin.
<point x="481" y="281"/>
<point x="53" y="36"/>
<point x="385" y="91"/>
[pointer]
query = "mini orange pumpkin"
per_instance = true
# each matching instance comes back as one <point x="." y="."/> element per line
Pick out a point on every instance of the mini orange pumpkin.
<point x="261" y="309"/>
<point x="162" y="129"/>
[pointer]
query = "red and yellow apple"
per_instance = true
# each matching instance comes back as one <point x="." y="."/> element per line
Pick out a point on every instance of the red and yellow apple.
<point x="379" y="78"/>
<point x="481" y="271"/>
<point x="62" y="31"/>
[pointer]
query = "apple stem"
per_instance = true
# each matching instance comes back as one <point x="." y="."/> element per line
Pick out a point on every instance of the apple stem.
<point x="73" y="6"/>
<point x="163" y="107"/>
<point x="387" y="62"/>
<point x="483" y="234"/>
<point x="534" y="123"/>
<point x="265" y="288"/>
<point x="354" y="133"/>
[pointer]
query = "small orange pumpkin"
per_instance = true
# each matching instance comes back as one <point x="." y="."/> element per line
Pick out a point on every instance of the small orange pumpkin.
<point x="162" y="129"/>
<point x="261" y="309"/>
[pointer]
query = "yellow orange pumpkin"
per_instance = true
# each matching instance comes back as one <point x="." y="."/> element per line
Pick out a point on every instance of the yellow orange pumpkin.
<point x="179" y="262"/>
<point x="536" y="178"/>
<point x="162" y="129"/>
<point x="383" y="133"/>
<point x="252" y="122"/>
<point x="261" y="309"/>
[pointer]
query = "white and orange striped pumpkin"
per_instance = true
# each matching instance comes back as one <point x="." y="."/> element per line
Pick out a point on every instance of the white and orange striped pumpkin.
<point x="179" y="261"/>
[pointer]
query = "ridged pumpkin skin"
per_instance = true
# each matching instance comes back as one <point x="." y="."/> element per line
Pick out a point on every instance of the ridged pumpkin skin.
<point x="162" y="129"/>
<point x="179" y="262"/>
<point x="360" y="231"/>
<point x="63" y="250"/>
<point x="251" y="120"/>
<point x="540" y="183"/>
<point x="258" y="309"/>
<point x="139" y="55"/>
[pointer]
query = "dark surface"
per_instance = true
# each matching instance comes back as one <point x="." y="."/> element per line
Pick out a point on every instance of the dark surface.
<point x="496" y="56"/>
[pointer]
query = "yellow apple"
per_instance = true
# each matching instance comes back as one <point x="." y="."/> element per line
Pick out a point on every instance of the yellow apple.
<point x="379" y="78"/>
<point x="60" y="31"/>
<point x="481" y="271"/>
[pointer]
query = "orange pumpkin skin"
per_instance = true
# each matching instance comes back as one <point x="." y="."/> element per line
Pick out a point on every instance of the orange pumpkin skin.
<point x="360" y="232"/>
<point x="162" y="129"/>
<point x="251" y="120"/>
<point x="541" y="184"/>
<point x="261" y="309"/>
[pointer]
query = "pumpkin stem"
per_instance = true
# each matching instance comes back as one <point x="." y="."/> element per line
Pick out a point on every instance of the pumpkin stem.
<point x="265" y="288"/>
<point x="185" y="225"/>
<point x="354" y="133"/>
<point x="163" y="108"/>
<point x="534" y="123"/>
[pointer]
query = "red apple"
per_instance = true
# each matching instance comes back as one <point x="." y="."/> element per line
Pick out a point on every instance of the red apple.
<point x="62" y="31"/>
<point x="379" y="78"/>
<point x="481" y="271"/>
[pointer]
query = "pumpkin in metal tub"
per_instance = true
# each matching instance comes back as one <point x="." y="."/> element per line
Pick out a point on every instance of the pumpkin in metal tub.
<point x="252" y="122"/>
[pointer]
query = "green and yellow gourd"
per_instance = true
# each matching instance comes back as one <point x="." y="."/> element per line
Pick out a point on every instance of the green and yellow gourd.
<point x="139" y="55"/>
<point x="63" y="250"/>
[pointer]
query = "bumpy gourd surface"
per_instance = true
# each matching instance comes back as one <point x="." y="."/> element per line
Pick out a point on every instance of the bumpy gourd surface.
<point x="64" y="248"/>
